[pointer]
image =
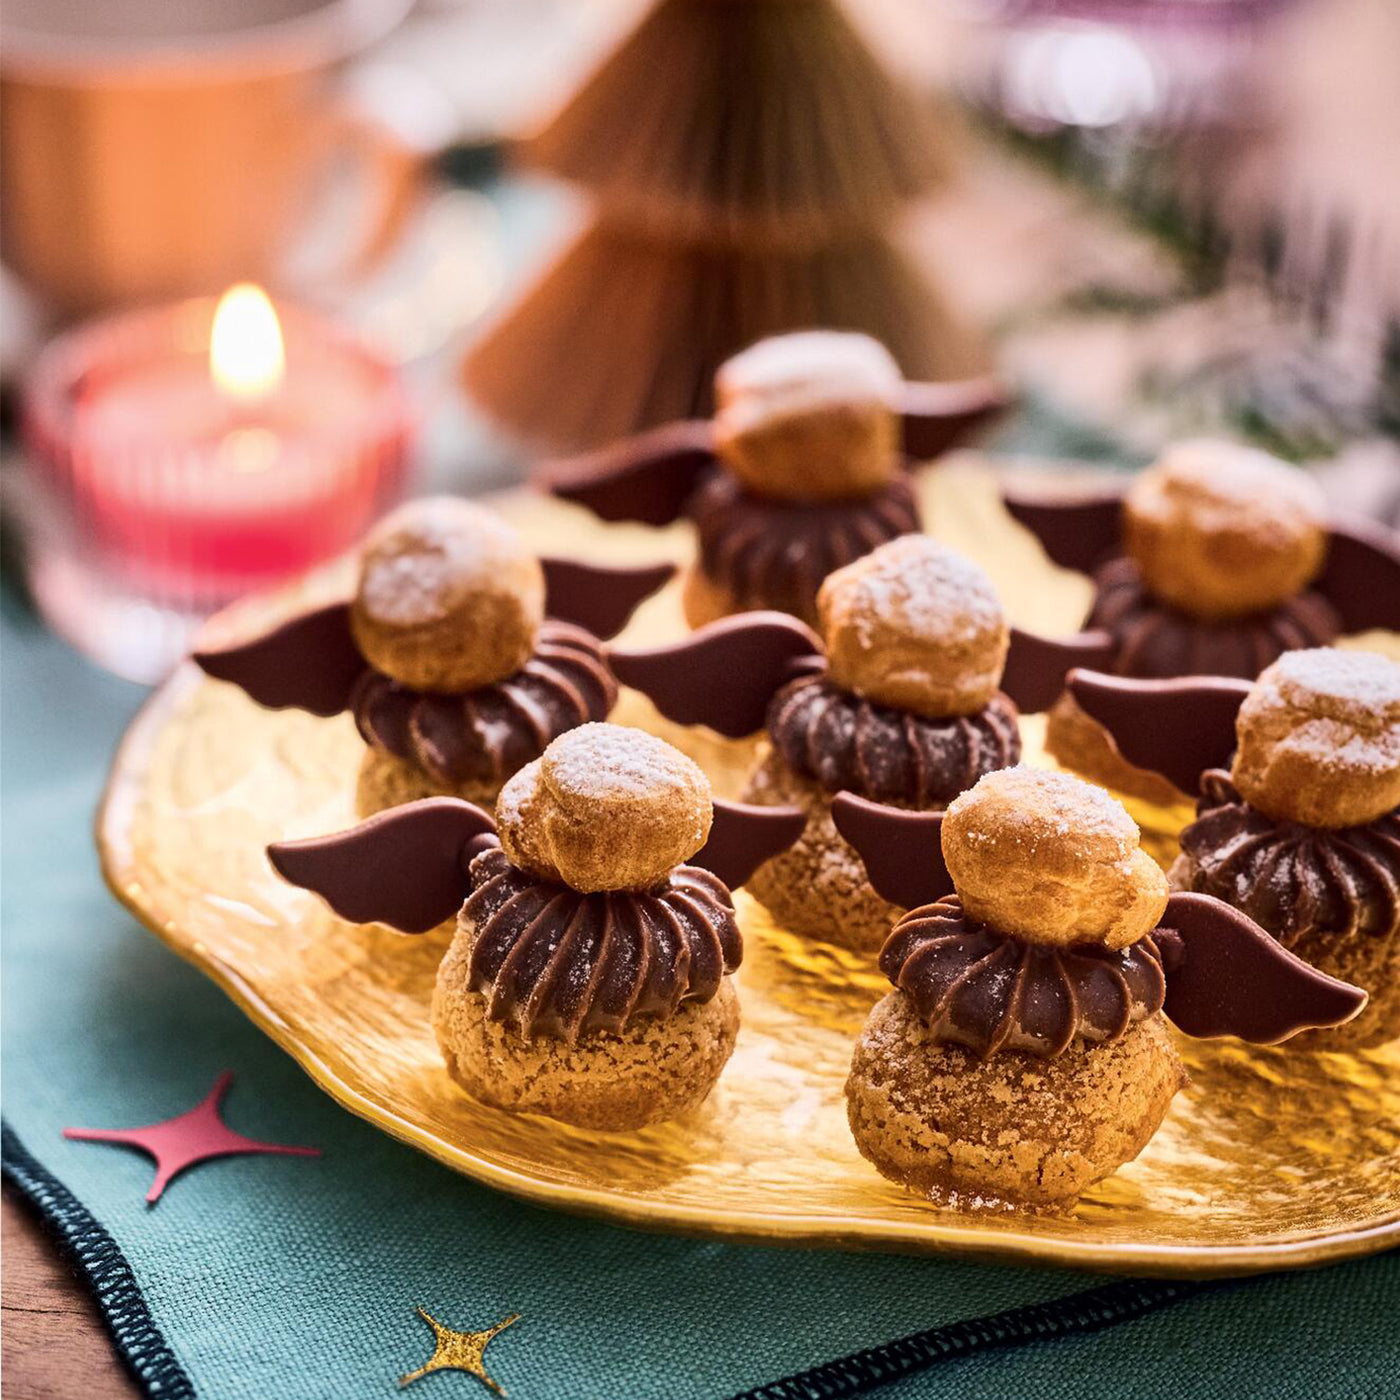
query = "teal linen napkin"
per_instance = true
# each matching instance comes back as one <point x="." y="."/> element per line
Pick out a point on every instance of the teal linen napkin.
<point x="274" y="1276"/>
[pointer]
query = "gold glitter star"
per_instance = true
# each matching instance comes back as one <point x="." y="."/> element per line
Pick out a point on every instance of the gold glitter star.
<point x="459" y="1351"/>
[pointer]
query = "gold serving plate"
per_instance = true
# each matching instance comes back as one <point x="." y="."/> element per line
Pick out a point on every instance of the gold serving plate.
<point x="1269" y="1160"/>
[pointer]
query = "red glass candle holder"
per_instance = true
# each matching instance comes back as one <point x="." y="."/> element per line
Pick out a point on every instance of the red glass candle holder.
<point x="156" y="497"/>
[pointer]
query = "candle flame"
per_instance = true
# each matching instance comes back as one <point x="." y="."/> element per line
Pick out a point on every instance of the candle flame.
<point x="246" y="358"/>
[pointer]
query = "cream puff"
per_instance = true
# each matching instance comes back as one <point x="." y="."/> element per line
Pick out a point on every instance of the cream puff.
<point x="802" y="470"/>
<point x="1215" y="561"/>
<point x="460" y="654"/>
<point x="588" y="977"/>
<point x="1023" y="1054"/>
<point x="1298" y="819"/>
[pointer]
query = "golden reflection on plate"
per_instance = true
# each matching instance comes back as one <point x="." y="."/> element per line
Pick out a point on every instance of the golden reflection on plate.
<point x="1270" y="1159"/>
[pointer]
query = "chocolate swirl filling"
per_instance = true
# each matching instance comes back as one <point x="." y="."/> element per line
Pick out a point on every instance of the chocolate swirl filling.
<point x="978" y="988"/>
<point x="554" y="962"/>
<point x="1156" y="642"/>
<point x="775" y="554"/>
<point x="487" y="735"/>
<point x="888" y="755"/>
<point x="1295" y="881"/>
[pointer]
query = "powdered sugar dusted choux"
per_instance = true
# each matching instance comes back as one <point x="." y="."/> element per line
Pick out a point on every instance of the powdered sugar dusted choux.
<point x="605" y="808"/>
<point x="916" y="626"/>
<point x="449" y="598"/>
<point x="973" y="1132"/>
<point x="810" y="416"/>
<point x="1319" y="739"/>
<point x="1052" y="860"/>
<point x="1220" y="530"/>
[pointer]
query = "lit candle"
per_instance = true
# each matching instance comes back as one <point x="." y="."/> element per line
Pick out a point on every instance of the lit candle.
<point x="191" y="453"/>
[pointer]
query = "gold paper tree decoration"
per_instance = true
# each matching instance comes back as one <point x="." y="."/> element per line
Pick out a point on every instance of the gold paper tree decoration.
<point x="747" y="160"/>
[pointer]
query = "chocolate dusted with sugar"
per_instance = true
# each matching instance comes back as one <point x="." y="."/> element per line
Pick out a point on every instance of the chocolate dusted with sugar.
<point x="552" y="961"/>
<point x="974" y="987"/>
<point x="485" y="735"/>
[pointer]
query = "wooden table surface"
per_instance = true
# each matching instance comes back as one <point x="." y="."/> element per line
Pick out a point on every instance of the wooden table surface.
<point x="55" y="1346"/>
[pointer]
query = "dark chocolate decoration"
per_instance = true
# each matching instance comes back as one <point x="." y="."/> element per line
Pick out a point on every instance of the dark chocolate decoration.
<point x="1361" y="575"/>
<point x="934" y="416"/>
<point x="840" y="740"/>
<point x="1175" y="728"/>
<point x="902" y="851"/>
<point x="1036" y="666"/>
<point x="553" y="962"/>
<point x="724" y="674"/>
<point x="1155" y="641"/>
<point x="1226" y="976"/>
<point x="486" y="735"/>
<point x="1077" y="531"/>
<point x="406" y="867"/>
<point x="647" y="478"/>
<point x="597" y="597"/>
<point x="978" y="988"/>
<point x="768" y="553"/>
<point x="1315" y="889"/>
<point x="743" y="836"/>
<point x="310" y="663"/>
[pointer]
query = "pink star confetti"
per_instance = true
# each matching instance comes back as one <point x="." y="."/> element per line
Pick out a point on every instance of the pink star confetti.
<point x="197" y="1136"/>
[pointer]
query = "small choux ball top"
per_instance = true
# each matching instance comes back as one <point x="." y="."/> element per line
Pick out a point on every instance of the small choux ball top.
<point x="1219" y="530"/>
<point x="1319" y="739"/>
<point x="1222" y="531"/>
<point x="1051" y="859"/>
<point x="916" y="626"/>
<point x="605" y="808"/>
<point x="810" y="416"/>
<point x="449" y="598"/>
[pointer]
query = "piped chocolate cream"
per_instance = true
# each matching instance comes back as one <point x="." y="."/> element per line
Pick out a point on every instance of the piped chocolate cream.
<point x="554" y="962"/>
<point x="989" y="992"/>
<point x="886" y="754"/>
<point x="486" y="734"/>
<point x="1157" y="641"/>
<point x="775" y="553"/>
<point x="1299" y="882"/>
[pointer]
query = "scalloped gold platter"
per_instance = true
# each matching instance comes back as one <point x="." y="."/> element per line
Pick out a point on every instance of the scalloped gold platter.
<point x="1270" y="1159"/>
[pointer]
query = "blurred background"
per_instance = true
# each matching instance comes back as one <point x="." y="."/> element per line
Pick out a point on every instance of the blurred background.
<point x="463" y="234"/>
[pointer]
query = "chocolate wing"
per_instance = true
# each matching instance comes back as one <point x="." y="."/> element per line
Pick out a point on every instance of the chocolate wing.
<point x="647" y="478"/>
<point x="1226" y="976"/>
<point x="724" y="674"/>
<point x="1077" y="531"/>
<point x="902" y="851"/>
<point x="407" y="867"/>
<point x="310" y="663"/>
<point x="597" y="597"/>
<point x="1177" y="728"/>
<point x="1361" y="577"/>
<point x="936" y="416"/>
<point x="1036" y="666"/>
<point x="742" y="837"/>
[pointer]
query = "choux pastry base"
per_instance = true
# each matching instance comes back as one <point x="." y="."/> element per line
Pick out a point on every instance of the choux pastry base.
<point x="655" y="1070"/>
<point x="818" y="887"/>
<point x="1012" y="1130"/>
<point x="385" y="781"/>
